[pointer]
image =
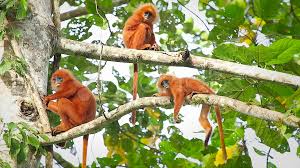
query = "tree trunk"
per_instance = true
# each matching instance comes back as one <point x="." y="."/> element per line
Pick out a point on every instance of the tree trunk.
<point x="37" y="41"/>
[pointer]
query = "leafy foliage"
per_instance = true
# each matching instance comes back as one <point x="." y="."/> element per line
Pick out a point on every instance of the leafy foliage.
<point x="23" y="139"/>
<point x="19" y="65"/>
<point x="263" y="33"/>
<point x="12" y="10"/>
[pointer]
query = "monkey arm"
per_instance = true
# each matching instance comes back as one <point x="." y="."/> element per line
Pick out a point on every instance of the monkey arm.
<point x="65" y="93"/>
<point x="178" y="102"/>
<point x="203" y="120"/>
<point x="140" y="37"/>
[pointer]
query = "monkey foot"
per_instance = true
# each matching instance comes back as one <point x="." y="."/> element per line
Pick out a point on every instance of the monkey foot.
<point x="154" y="47"/>
<point x="185" y="54"/>
<point x="58" y="129"/>
<point x="193" y="94"/>
<point x="177" y="121"/>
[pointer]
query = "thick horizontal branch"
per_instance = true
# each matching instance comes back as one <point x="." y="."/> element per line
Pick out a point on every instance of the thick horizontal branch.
<point x="174" y="59"/>
<point x="80" y="11"/>
<point x="100" y="122"/>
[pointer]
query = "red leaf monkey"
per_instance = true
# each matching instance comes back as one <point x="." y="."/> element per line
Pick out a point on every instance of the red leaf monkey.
<point x="179" y="88"/>
<point x="75" y="104"/>
<point x="138" y="34"/>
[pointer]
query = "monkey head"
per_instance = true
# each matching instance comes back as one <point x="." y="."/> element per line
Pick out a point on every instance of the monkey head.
<point x="164" y="81"/>
<point x="59" y="77"/>
<point x="148" y="12"/>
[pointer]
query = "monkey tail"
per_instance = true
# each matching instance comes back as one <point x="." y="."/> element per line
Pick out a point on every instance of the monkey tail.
<point x="219" y="121"/>
<point x="135" y="87"/>
<point x="84" y="150"/>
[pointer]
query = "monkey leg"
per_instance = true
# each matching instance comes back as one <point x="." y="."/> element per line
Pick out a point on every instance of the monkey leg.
<point x="53" y="106"/>
<point x="203" y="120"/>
<point x="178" y="102"/>
<point x="70" y="117"/>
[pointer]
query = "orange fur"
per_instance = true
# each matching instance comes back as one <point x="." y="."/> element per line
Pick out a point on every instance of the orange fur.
<point x="75" y="104"/>
<point x="138" y="34"/>
<point x="179" y="88"/>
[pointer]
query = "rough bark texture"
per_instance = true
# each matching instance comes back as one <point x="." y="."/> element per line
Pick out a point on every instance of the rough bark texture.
<point x="19" y="97"/>
<point x="173" y="59"/>
<point x="99" y="123"/>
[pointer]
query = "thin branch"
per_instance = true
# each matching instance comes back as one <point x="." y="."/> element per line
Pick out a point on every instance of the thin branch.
<point x="268" y="156"/>
<point x="100" y="122"/>
<point x="49" y="156"/>
<point x="56" y="14"/>
<point x="173" y="59"/>
<point x="80" y="11"/>
<point x="195" y="15"/>
<point x="60" y="160"/>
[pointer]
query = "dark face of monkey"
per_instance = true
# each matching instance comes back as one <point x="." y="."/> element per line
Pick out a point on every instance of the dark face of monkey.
<point x="148" y="16"/>
<point x="165" y="84"/>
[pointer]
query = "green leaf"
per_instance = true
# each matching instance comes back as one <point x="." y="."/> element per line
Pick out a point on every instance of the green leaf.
<point x="271" y="165"/>
<point x="259" y="152"/>
<point x="32" y="140"/>
<point x="269" y="135"/>
<point x="184" y="2"/>
<point x="15" y="147"/>
<point x="22" y="9"/>
<point x="284" y="50"/>
<point x="267" y="9"/>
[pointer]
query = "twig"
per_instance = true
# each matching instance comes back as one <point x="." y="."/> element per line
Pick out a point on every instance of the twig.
<point x="195" y="15"/>
<point x="268" y="155"/>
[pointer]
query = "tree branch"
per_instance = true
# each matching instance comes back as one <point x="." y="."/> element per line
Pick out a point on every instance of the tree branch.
<point x="61" y="161"/>
<point x="99" y="123"/>
<point x="173" y="59"/>
<point x="73" y="13"/>
<point x="80" y="11"/>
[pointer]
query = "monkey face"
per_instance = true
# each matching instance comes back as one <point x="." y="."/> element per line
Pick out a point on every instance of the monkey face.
<point x="55" y="82"/>
<point x="148" y="16"/>
<point x="165" y="84"/>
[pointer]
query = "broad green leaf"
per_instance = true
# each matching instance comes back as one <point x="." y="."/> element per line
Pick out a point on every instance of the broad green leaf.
<point x="269" y="136"/>
<point x="284" y="50"/>
<point x="271" y="165"/>
<point x="266" y="9"/>
<point x="259" y="152"/>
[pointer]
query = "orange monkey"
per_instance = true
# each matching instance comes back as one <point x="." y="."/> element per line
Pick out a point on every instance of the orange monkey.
<point x="138" y="34"/>
<point x="75" y="104"/>
<point x="179" y="88"/>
